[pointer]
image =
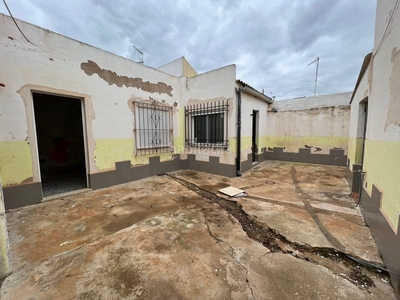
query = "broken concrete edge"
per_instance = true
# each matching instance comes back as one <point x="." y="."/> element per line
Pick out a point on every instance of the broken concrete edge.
<point x="387" y="240"/>
<point x="28" y="194"/>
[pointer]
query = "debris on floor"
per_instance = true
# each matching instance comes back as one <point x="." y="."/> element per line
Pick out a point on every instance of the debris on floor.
<point x="231" y="191"/>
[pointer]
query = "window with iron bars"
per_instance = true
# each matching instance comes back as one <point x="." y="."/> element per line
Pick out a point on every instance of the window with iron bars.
<point x="153" y="130"/>
<point x="207" y="124"/>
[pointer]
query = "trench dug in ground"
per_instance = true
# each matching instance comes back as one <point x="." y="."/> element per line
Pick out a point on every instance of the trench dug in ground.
<point x="354" y="269"/>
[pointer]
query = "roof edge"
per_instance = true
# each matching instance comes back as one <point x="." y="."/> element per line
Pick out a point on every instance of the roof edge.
<point x="252" y="91"/>
<point x="366" y="62"/>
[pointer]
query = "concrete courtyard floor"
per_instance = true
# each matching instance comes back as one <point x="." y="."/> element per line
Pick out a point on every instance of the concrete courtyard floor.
<point x="296" y="235"/>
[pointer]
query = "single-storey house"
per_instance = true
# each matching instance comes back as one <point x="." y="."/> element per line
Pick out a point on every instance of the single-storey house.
<point x="73" y="117"/>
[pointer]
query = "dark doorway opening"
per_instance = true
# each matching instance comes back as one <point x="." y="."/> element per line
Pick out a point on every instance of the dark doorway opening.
<point x="254" y="146"/>
<point x="363" y="119"/>
<point x="360" y="146"/>
<point x="59" y="131"/>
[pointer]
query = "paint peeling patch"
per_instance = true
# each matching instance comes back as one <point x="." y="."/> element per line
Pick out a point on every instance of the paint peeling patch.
<point x="111" y="78"/>
<point x="393" y="114"/>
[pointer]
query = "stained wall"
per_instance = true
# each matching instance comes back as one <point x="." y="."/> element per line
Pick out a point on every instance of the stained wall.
<point x="319" y="123"/>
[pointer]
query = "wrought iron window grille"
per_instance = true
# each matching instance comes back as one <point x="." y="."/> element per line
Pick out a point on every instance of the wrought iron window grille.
<point x="153" y="127"/>
<point x="206" y="125"/>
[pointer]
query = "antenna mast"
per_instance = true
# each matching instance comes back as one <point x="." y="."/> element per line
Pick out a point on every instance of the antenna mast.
<point x="141" y="61"/>
<point x="316" y="74"/>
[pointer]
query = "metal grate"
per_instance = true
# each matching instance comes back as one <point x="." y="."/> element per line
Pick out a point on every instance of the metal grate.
<point x="207" y="124"/>
<point x="153" y="131"/>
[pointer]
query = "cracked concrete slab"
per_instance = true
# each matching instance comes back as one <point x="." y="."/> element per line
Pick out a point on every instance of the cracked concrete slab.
<point x="356" y="239"/>
<point x="278" y="193"/>
<point x="175" y="237"/>
<point x="294" y="223"/>
<point x="271" y="270"/>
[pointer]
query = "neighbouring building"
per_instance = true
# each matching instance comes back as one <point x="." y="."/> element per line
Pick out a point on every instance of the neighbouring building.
<point x="179" y="67"/>
<point x="374" y="145"/>
<point x="309" y="129"/>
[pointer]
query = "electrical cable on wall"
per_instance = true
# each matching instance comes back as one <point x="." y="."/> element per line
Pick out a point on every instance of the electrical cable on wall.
<point x="15" y="22"/>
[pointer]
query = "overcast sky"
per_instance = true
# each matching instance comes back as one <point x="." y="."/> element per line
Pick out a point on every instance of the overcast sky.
<point x="271" y="42"/>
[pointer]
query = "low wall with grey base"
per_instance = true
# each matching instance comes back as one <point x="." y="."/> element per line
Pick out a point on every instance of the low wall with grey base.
<point x="27" y="194"/>
<point x="124" y="172"/>
<point x="353" y="177"/>
<point x="388" y="241"/>
<point x="247" y="164"/>
<point x="336" y="157"/>
<point x="212" y="166"/>
<point x="22" y="195"/>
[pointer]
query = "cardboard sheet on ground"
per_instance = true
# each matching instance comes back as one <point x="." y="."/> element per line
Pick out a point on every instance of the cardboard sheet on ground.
<point x="231" y="191"/>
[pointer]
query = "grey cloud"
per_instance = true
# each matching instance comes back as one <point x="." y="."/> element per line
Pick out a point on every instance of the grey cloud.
<point x="270" y="42"/>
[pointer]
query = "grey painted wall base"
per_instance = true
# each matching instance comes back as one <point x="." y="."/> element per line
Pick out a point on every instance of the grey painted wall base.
<point x="124" y="172"/>
<point x="22" y="195"/>
<point x="213" y="166"/>
<point x="248" y="164"/>
<point x="336" y="157"/>
<point x="387" y="240"/>
<point x="353" y="177"/>
<point x="27" y="194"/>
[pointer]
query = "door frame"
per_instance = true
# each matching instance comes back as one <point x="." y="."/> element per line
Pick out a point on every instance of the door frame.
<point x="35" y="149"/>
<point x="364" y="137"/>
<point x="254" y="135"/>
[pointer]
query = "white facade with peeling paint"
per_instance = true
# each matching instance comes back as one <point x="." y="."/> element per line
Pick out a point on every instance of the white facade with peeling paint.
<point x="251" y="105"/>
<point x="374" y="146"/>
<point x="379" y="90"/>
<point x="69" y="80"/>
<point x="107" y="86"/>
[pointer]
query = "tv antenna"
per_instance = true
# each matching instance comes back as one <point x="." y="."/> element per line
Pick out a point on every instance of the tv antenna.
<point x="141" y="60"/>
<point x="273" y="96"/>
<point x="316" y="74"/>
